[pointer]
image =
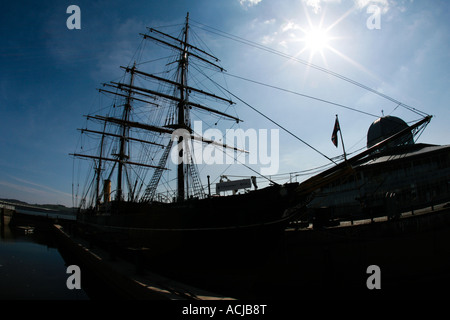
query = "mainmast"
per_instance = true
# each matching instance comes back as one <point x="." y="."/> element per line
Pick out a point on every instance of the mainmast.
<point x="182" y="107"/>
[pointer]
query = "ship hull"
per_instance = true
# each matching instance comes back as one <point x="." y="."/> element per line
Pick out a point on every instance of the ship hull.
<point x="243" y="229"/>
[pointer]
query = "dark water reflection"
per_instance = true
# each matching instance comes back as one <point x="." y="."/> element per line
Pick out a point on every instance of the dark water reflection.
<point x="32" y="268"/>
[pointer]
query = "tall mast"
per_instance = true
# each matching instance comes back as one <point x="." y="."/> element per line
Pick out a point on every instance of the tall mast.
<point x="182" y="106"/>
<point x="180" y="98"/>
<point x="99" y="170"/>
<point x="123" y="139"/>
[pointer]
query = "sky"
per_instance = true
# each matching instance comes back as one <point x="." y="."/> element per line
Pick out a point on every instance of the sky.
<point x="49" y="74"/>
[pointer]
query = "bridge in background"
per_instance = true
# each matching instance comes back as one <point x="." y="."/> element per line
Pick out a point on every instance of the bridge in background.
<point x="8" y="209"/>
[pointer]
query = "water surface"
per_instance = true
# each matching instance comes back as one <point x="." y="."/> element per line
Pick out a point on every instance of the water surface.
<point x="31" y="267"/>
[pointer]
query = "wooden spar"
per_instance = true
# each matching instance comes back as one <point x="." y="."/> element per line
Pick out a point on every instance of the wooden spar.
<point x="131" y="98"/>
<point x="177" y="84"/>
<point x="118" y="136"/>
<point x="146" y="36"/>
<point x="116" y="160"/>
<point x="159" y="130"/>
<point x="199" y="106"/>
<point x="132" y="124"/>
<point x="200" y="138"/>
<point x="167" y="96"/>
<point x="181" y="42"/>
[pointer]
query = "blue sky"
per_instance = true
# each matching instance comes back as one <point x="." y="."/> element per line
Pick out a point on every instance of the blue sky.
<point x="49" y="74"/>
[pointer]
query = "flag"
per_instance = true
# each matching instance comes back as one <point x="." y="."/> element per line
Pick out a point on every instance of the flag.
<point x="334" y="137"/>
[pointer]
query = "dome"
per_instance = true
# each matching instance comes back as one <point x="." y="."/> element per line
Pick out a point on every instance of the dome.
<point x="384" y="127"/>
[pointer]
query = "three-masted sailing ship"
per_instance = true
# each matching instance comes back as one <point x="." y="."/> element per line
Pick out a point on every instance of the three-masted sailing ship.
<point x="150" y="123"/>
<point x="137" y="137"/>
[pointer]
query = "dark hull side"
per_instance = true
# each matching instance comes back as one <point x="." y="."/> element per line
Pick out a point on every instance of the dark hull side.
<point x="217" y="231"/>
<point x="412" y="254"/>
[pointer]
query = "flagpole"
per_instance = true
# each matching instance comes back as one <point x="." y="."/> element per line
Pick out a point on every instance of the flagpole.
<point x="342" y="140"/>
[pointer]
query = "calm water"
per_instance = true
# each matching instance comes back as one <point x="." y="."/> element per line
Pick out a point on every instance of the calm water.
<point x="31" y="267"/>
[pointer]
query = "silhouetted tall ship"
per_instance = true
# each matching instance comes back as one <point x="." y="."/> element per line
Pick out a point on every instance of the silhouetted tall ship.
<point x="136" y="147"/>
<point x="149" y="124"/>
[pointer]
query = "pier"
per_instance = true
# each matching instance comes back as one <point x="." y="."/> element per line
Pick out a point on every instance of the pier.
<point x="128" y="280"/>
<point x="124" y="279"/>
<point x="6" y="210"/>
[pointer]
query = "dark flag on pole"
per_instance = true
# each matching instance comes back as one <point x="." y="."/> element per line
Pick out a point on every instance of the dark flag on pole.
<point x="334" y="137"/>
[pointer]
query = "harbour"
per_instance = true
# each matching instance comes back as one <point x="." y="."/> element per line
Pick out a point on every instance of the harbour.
<point x="31" y="266"/>
<point x="35" y="253"/>
<point x="178" y="193"/>
<point x="311" y="264"/>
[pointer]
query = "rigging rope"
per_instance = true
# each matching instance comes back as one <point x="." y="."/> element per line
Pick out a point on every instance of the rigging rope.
<point x="304" y="62"/>
<point x="303" y="95"/>
<point x="276" y="123"/>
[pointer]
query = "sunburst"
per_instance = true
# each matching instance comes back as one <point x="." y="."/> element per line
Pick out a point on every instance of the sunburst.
<point x="316" y="40"/>
<point x="319" y="40"/>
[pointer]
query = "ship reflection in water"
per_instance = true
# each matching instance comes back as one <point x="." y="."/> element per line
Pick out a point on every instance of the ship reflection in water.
<point x="32" y="268"/>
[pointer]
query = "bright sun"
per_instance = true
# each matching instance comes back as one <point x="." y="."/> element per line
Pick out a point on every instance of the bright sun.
<point x="316" y="40"/>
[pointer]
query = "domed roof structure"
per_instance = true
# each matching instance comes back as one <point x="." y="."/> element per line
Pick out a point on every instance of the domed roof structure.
<point x="384" y="127"/>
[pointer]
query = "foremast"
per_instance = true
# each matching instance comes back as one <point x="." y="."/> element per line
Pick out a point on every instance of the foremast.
<point x="122" y="156"/>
